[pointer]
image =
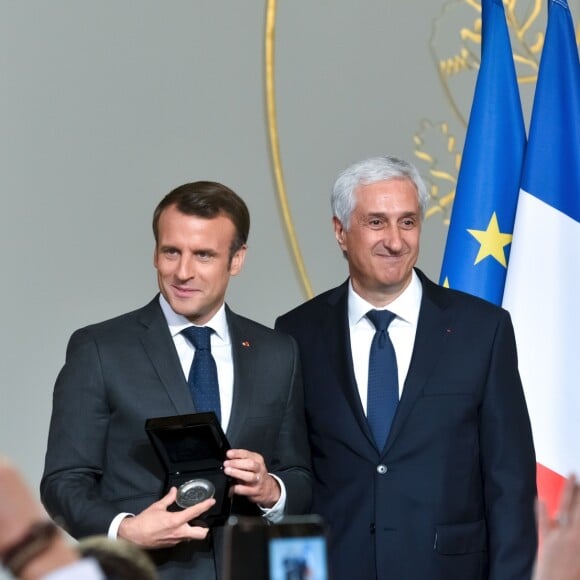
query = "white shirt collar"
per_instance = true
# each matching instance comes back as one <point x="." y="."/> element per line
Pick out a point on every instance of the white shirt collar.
<point x="178" y="322"/>
<point x="406" y="306"/>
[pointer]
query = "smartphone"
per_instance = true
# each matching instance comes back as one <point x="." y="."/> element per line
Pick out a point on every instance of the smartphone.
<point x="293" y="549"/>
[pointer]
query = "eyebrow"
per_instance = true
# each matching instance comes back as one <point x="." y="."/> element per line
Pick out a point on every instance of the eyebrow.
<point x="380" y="214"/>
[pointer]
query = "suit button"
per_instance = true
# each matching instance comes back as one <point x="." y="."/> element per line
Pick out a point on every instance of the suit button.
<point x="372" y="528"/>
<point x="381" y="469"/>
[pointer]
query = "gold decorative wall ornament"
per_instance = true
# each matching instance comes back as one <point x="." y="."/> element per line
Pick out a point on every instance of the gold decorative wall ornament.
<point x="269" y="45"/>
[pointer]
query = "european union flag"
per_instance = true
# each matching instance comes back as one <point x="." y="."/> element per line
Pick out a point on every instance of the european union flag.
<point x="480" y="232"/>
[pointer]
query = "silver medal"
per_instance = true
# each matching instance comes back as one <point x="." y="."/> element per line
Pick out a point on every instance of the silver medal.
<point x="194" y="491"/>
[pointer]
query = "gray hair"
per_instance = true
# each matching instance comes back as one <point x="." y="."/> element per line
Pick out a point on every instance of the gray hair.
<point x="370" y="171"/>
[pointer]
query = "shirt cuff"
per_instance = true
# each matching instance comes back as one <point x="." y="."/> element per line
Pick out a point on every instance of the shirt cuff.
<point x="114" y="527"/>
<point x="87" y="569"/>
<point x="276" y="512"/>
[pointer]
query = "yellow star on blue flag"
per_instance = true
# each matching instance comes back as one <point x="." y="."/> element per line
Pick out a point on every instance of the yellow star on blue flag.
<point x="492" y="242"/>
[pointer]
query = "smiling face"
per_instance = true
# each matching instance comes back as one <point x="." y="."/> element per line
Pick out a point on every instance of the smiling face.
<point x="193" y="263"/>
<point x="382" y="241"/>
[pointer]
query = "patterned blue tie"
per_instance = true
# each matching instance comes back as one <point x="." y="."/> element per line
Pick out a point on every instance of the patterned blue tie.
<point x="383" y="388"/>
<point x="203" y="378"/>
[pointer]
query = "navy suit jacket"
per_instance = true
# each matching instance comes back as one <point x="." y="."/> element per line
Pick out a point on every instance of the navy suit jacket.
<point x="118" y="373"/>
<point x="451" y="496"/>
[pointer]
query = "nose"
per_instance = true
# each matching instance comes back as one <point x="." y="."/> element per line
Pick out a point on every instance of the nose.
<point x="392" y="239"/>
<point x="185" y="269"/>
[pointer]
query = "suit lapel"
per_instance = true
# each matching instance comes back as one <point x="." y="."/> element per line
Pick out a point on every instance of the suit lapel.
<point x="243" y="358"/>
<point x="160" y="349"/>
<point x="434" y="320"/>
<point x="335" y="329"/>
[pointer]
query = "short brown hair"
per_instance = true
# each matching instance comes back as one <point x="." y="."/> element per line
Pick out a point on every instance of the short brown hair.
<point x="208" y="199"/>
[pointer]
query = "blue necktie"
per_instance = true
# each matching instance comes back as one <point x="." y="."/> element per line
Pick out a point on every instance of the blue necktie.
<point x="203" y="379"/>
<point x="383" y="388"/>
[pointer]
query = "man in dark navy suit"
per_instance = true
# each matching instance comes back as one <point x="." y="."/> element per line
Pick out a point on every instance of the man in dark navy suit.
<point x="439" y="481"/>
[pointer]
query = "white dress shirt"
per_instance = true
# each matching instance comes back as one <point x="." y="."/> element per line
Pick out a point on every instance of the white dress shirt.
<point x="402" y="331"/>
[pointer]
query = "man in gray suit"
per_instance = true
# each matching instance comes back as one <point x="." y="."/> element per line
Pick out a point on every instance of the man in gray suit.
<point x="101" y="473"/>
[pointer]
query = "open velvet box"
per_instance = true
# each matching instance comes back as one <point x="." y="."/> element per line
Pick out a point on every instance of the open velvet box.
<point x="192" y="449"/>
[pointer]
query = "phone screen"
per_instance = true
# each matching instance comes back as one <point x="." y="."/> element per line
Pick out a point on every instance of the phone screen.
<point x="293" y="549"/>
<point x="297" y="558"/>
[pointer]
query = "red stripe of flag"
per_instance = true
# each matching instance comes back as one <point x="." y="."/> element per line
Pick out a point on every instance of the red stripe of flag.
<point x="550" y="486"/>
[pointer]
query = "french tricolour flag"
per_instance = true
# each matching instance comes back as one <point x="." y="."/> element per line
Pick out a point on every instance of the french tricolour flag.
<point x="542" y="289"/>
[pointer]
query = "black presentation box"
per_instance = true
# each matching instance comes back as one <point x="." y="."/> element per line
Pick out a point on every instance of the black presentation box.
<point x="192" y="449"/>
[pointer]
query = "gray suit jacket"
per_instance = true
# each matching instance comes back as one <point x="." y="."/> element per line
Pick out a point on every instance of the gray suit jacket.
<point x="118" y="373"/>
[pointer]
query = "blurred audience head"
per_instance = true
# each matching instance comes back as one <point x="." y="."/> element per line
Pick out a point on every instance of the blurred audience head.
<point x="119" y="560"/>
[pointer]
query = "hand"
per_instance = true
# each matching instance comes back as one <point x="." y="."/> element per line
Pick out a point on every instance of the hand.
<point x="559" y="554"/>
<point x="18" y="512"/>
<point x="18" y="509"/>
<point x="252" y="477"/>
<point x="156" y="527"/>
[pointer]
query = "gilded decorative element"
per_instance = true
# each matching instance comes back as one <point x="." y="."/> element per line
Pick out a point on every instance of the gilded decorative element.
<point x="270" y="38"/>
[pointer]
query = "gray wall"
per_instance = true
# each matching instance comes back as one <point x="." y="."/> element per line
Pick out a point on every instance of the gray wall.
<point x="106" y="106"/>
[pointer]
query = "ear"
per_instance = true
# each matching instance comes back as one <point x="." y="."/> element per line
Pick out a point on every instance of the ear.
<point x="155" y="256"/>
<point x="339" y="233"/>
<point x="238" y="261"/>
